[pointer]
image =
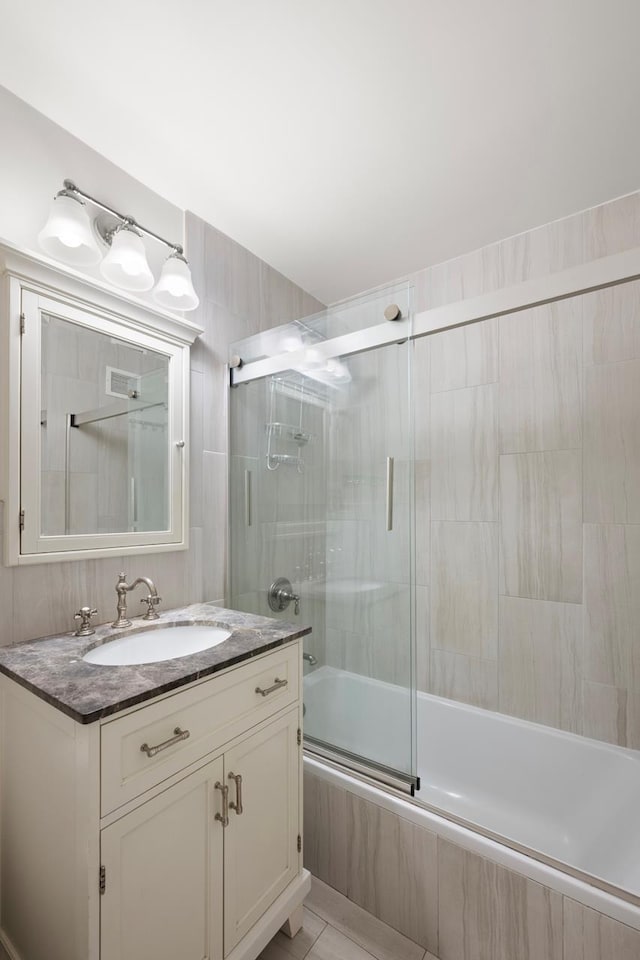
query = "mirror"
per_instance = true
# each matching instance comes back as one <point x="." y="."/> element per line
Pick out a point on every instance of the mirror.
<point x="104" y="465"/>
<point x="95" y="400"/>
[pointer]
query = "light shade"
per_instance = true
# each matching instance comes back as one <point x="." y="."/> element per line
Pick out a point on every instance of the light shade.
<point x="67" y="234"/>
<point x="126" y="265"/>
<point x="175" y="287"/>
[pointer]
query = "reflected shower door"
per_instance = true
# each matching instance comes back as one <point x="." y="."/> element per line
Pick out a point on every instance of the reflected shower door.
<point x="321" y="494"/>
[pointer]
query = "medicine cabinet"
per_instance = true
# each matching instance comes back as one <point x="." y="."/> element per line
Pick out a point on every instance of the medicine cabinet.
<point x="95" y="406"/>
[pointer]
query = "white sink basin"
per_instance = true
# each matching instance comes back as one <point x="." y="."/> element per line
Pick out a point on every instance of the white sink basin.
<point x="163" y="643"/>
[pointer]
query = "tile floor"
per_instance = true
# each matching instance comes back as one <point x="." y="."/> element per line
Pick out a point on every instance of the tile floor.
<point x="336" y="929"/>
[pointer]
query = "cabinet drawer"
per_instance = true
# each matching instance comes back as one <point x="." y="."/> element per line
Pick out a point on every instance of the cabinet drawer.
<point x="213" y="713"/>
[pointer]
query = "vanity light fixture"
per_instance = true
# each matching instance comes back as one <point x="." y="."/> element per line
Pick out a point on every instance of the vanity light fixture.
<point x="125" y="265"/>
<point x="68" y="235"/>
<point x="175" y="286"/>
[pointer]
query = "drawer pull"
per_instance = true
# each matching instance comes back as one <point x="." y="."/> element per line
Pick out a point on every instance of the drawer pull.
<point x="275" y="686"/>
<point x="237" y="806"/>
<point x="224" y="816"/>
<point x="178" y="736"/>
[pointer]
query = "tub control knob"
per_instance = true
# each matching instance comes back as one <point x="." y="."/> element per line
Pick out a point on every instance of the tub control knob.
<point x="281" y="594"/>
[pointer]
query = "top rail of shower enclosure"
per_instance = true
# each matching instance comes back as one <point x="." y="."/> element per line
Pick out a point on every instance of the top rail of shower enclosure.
<point x="321" y="333"/>
<point x="585" y="278"/>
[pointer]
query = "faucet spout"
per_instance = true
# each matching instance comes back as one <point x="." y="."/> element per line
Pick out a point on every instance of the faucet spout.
<point x="123" y="588"/>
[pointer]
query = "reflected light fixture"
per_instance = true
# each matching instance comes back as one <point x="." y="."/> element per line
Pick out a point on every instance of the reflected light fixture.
<point x="68" y="235"/>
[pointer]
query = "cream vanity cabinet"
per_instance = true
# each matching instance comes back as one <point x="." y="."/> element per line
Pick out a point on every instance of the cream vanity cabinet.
<point x="118" y="846"/>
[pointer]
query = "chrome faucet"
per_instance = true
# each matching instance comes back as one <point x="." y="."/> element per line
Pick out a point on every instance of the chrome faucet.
<point x="122" y="589"/>
<point x="309" y="657"/>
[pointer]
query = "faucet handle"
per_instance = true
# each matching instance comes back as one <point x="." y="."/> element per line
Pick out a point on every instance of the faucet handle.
<point x="152" y="600"/>
<point x="85" y="629"/>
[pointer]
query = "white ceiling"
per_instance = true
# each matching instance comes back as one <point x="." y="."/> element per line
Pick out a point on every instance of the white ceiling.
<point x="346" y="142"/>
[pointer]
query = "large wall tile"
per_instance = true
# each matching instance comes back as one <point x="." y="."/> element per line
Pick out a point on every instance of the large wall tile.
<point x="452" y="280"/>
<point x="464" y="595"/>
<point x="6" y="591"/>
<point x="214" y="552"/>
<point x="612" y="613"/>
<point x="547" y="249"/>
<point x="422" y="542"/>
<point x="541" y="529"/>
<point x="467" y="679"/>
<point x="464" y="356"/>
<point x="589" y="935"/>
<point x="325" y="831"/>
<point x="612" y="600"/>
<point x="612" y="324"/>
<point x="423" y="644"/>
<point x="541" y="378"/>
<point x="612" y="227"/>
<point x="612" y="443"/>
<point x="231" y="273"/>
<point x="392" y="870"/>
<point x="488" y="913"/>
<point x="421" y="362"/>
<point x="605" y="712"/>
<point x="196" y="447"/>
<point x="464" y="454"/>
<point x="541" y="662"/>
<point x="282" y="301"/>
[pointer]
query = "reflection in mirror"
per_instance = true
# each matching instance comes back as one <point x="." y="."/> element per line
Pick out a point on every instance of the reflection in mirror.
<point x="104" y="433"/>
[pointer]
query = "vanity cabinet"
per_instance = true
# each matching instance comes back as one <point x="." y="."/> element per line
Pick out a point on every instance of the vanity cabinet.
<point x="163" y="866"/>
<point x="171" y="830"/>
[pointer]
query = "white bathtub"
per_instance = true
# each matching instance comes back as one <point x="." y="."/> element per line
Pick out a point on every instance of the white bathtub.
<point x="557" y="797"/>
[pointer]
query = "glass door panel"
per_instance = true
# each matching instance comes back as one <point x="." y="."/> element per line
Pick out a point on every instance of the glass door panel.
<point x="321" y="497"/>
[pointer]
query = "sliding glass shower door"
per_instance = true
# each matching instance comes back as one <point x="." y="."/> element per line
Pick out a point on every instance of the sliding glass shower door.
<point x="321" y="505"/>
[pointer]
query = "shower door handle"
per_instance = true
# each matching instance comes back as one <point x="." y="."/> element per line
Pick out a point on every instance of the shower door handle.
<point x="247" y="498"/>
<point x="389" y="493"/>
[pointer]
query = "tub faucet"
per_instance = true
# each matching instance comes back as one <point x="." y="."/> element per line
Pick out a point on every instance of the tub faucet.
<point x="122" y="589"/>
<point x="309" y="657"/>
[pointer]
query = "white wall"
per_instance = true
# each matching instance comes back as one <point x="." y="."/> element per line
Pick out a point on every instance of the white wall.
<point x="36" y="155"/>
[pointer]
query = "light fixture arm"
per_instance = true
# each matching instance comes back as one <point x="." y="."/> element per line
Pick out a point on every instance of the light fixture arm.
<point x="70" y="186"/>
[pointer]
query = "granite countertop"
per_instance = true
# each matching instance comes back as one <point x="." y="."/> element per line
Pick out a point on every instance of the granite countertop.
<point x="54" y="670"/>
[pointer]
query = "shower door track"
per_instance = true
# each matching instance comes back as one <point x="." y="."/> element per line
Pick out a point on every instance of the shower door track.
<point x="406" y="784"/>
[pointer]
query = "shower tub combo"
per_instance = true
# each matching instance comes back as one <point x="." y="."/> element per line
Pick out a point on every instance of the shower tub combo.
<point x="335" y="468"/>
<point x="521" y="794"/>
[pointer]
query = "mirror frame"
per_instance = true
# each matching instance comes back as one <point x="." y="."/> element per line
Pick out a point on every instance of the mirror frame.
<point x="33" y="285"/>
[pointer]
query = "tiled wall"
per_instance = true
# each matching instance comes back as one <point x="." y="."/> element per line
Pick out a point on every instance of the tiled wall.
<point x="601" y="231"/>
<point x="456" y="904"/>
<point x="240" y="295"/>
<point x="528" y="428"/>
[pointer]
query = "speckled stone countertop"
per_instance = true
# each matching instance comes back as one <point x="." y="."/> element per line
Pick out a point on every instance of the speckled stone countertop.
<point x="54" y="670"/>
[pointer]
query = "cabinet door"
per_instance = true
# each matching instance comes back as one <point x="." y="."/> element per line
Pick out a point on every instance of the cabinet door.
<point x="163" y="862"/>
<point x="261" y="843"/>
